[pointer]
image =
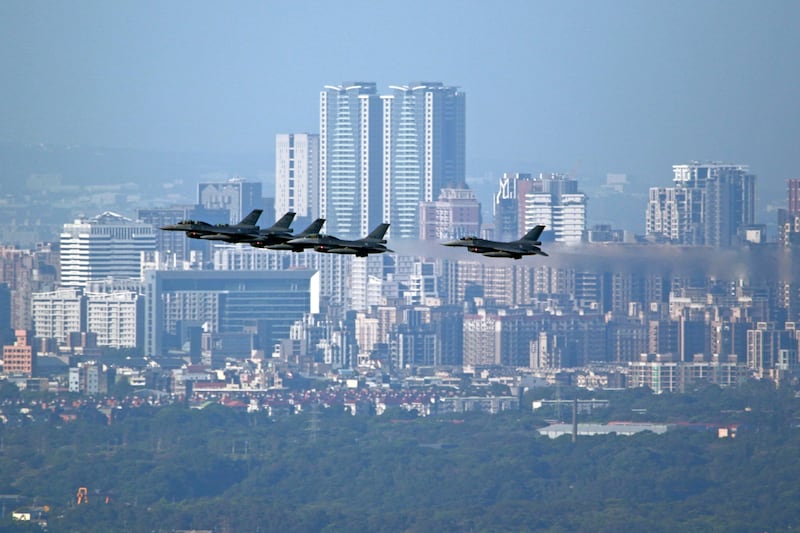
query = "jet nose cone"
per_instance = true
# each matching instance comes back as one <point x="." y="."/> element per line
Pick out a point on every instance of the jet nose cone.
<point x="453" y="243"/>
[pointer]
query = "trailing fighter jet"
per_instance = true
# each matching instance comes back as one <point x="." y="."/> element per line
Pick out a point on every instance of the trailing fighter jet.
<point x="280" y="231"/>
<point x="374" y="243"/>
<point x="527" y="245"/>
<point x="281" y="243"/>
<point x="197" y="229"/>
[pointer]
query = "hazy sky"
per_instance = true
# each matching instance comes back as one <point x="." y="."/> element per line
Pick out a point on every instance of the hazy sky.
<point x="589" y="87"/>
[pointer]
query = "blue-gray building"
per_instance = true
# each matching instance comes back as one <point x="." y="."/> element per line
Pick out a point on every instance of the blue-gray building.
<point x="264" y="304"/>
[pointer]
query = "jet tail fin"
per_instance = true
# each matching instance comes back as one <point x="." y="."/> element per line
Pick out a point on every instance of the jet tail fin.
<point x="251" y="218"/>
<point x="534" y="234"/>
<point x="284" y="222"/>
<point x="379" y="231"/>
<point x="312" y="228"/>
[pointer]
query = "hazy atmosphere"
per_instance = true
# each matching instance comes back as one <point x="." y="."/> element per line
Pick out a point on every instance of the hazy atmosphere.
<point x="429" y="265"/>
<point x="582" y="87"/>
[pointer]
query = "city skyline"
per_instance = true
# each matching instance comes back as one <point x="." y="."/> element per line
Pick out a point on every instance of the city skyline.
<point x="588" y="89"/>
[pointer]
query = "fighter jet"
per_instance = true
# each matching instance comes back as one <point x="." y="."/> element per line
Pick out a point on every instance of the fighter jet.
<point x="197" y="229"/>
<point x="281" y="243"/>
<point x="374" y="243"/>
<point x="280" y="231"/>
<point x="244" y="231"/>
<point x="527" y="245"/>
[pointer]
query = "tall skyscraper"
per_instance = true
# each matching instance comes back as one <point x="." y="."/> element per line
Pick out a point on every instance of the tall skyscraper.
<point x="297" y="174"/>
<point x="106" y="246"/>
<point x="423" y="150"/>
<point x="237" y="195"/>
<point x="730" y="204"/>
<point x="350" y="158"/>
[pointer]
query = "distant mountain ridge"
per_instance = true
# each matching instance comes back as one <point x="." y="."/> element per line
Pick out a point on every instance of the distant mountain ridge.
<point x="87" y="165"/>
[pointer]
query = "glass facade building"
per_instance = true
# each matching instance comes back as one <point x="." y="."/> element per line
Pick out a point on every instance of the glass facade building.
<point x="266" y="303"/>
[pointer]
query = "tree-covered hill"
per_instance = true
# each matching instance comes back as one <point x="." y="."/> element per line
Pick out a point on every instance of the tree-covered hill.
<point x="226" y="470"/>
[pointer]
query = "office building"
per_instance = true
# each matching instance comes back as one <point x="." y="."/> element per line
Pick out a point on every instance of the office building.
<point x="423" y="150"/>
<point x="335" y="270"/>
<point x="297" y="174"/>
<point x="238" y="195"/>
<point x="350" y="164"/>
<point x="261" y="304"/>
<point x="106" y="246"/>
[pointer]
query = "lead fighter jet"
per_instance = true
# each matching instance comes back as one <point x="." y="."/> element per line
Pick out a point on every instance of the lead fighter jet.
<point x="197" y="229"/>
<point x="374" y="243"/>
<point x="527" y="245"/>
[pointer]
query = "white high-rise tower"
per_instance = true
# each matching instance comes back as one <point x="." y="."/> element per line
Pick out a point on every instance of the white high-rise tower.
<point x="423" y="150"/>
<point x="350" y="158"/>
<point x="297" y="174"/>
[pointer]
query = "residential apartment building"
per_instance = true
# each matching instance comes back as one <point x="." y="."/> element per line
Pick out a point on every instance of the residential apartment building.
<point x="554" y="200"/>
<point x="297" y="174"/>
<point x="708" y="204"/>
<point x="57" y="314"/>
<point x="424" y="145"/>
<point x="116" y="318"/>
<point x="19" y="359"/>
<point x="660" y="373"/>
<point x="506" y="207"/>
<point x="25" y="272"/>
<point x="351" y="166"/>
<point x="456" y="214"/>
